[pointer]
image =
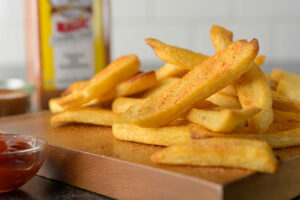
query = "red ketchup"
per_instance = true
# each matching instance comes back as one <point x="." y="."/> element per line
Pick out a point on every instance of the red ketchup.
<point x="3" y="146"/>
<point x="15" y="168"/>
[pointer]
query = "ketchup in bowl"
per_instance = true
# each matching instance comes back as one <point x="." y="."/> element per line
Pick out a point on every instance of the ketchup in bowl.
<point x="21" y="156"/>
<point x="3" y="146"/>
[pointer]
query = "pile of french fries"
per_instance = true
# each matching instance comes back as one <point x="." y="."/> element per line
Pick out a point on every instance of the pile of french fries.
<point x="219" y="110"/>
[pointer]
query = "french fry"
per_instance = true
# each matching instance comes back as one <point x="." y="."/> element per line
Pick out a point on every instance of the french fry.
<point x="169" y="70"/>
<point x="229" y="90"/>
<point x="252" y="88"/>
<point x="225" y="101"/>
<point x="220" y="37"/>
<point x="96" y="116"/>
<point x="175" y="55"/>
<point x="276" y="138"/>
<point x="163" y="136"/>
<point x="119" y="70"/>
<point x="286" y="116"/>
<point x="220" y="152"/>
<point x="75" y="87"/>
<point x="285" y="104"/>
<point x="288" y="86"/>
<point x="214" y="73"/>
<point x="136" y="84"/>
<point x="204" y="104"/>
<point x="220" y="120"/>
<point x="160" y="86"/>
<point x="260" y="60"/>
<point x="121" y="104"/>
<point x="278" y="74"/>
<point x="54" y="105"/>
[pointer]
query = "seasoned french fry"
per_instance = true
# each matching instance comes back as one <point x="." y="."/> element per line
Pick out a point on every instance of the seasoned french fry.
<point x="101" y="99"/>
<point x="220" y="152"/>
<point x="220" y="37"/>
<point x="276" y="138"/>
<point x="97" y="116"/>
<point x="175" y="55"/>
<point x="229" y="90"/>
<point x="220" y="120"/>
<point x="225" y="101"/>
<point x="285" y="104"/>
<point x="252" y="88"/>
<point x="169" y="70"/>
<point x="286" y="116"/>
<point x="136" y="84"/>
<point x="163" y="136"/>
<point x="204" y="104"/>
<point x="288" y="86"/>
<point x="119" y="70"/>
<point x="260" y="60"/>
<point x="121" y="104"/>
<point x="278" y="74"/>
<point x="160" y="86"/>
<point x="75" y="87"/>
<point x="54" y="105"/>
<point x="214" y="73"/>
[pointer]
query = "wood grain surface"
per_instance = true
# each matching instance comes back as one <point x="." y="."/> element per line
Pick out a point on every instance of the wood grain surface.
<point x="89" y="157"/>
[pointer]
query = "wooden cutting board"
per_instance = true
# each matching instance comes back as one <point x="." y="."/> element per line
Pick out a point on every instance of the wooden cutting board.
<point x="89" y="157"/>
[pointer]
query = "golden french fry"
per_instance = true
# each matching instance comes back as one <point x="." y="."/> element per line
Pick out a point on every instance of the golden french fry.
<point x="175" y="55"/>
<point x="285" y="104"/>
<point x="220" y="120"/>
<point x="54" y="106"/>
<point x="286" y="116"/>
<point x="278" y="74"/>
<point x="225" y="101"/>
<point x="220" y="37"/>
<point x="169" y="70"/>
<point x="163" y="136"/>
<point x="288" y="85"/>
<point x="252" y="88"/>
<point x="260" y="60"/>
<point x="204" y="104"/>
<point x="214" y="73"/>
<point x="220" y="152"/>
<point x="121" y="104"/>
<point x="229" y="90"/>
<point x="276" y="138"/>
<point x="136" y="84"/>
<point x="160" y="86"/>
<point x="97" y="116"/>
<point x="108" y="96"/>
<point x="119" y="70"/>
<point x="75" y="87"/>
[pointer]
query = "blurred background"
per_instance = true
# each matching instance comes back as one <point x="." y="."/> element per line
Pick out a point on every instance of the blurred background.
<point x="185" y="23"/>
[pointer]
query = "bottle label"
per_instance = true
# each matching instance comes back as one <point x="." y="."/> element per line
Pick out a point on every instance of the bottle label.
<point x="72" y="45"/>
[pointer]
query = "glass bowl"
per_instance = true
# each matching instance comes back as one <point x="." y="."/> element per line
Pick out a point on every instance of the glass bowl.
<point x="24" y="156"/>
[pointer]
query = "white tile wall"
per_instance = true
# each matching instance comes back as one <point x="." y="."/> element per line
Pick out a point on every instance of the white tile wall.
<point x="184" y="23"/>
<point x="12" y="45"/>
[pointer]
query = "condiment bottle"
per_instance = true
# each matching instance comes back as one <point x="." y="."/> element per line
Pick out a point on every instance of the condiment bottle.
<point x="67" y="41"/>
